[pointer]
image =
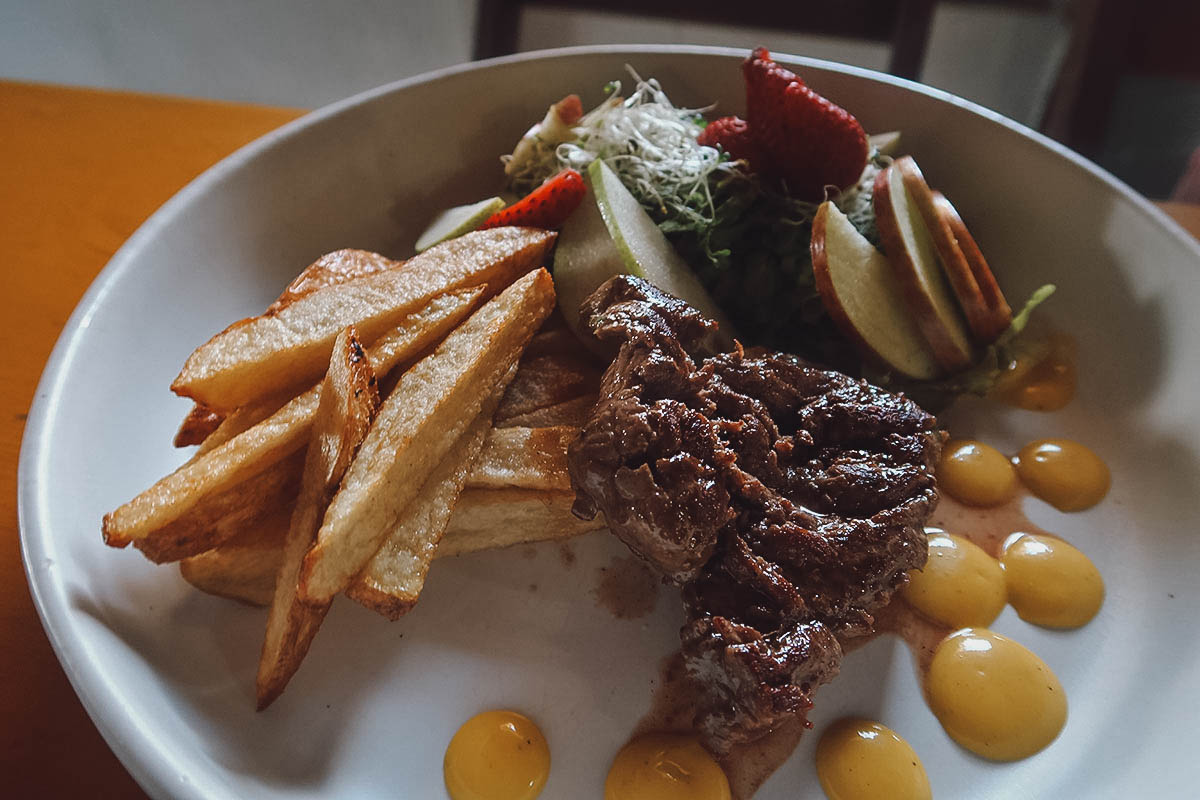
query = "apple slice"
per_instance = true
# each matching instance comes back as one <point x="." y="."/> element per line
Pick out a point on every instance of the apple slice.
<point x="983" y="316"/>
<point x="909" y="247"/>
<point x="454" y="222"/>
<point x="861" y="293"/>
<point x="999" y="314"/>
<point x="611" y="234"/>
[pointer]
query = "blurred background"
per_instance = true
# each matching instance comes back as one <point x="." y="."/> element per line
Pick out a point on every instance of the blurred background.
<point x="1117" y="80"/>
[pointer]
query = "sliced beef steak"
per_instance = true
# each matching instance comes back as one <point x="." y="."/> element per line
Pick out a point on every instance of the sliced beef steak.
<point x="789" y="502"/>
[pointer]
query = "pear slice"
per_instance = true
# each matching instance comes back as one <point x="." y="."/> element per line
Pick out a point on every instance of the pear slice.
<point x="454" y="222"/>
<point x="999" y="313"/>
<point x="987" y="315"/>
<point x="887" y="143"/>
<point x="611" y="234"/>
<point x="909" y="246"/>
<point x="863" y="297"/>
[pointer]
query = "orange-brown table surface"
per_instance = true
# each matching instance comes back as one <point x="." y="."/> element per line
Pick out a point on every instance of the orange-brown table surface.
<point x="82" y="169"/>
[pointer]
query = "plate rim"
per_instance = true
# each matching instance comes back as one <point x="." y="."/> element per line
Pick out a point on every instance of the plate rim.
<point x="141" y="755"/>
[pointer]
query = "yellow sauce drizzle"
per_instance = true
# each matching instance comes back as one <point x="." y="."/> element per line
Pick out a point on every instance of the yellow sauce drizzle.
<point x="993" y="696"/>
<point x="1050" y="582"/>
<point x="975" y="473"/>
<point x="665" y="766"/>
<point x="1041" y="380"/>
<point x="960" y="585"/>
<point x="862" y="760"/>
<point x="1065" y="474"/>
<point x="497" y="755"/>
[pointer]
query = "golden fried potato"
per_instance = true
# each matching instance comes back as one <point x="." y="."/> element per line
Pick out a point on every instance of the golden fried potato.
<point x="328" y="270"/>
<point x="262" y="356"/>
<point x="530" y="458"/>
<point x="573" y="412"/>
<point x="429" y="409"/>
<point x="485" y="519"/>
<point x="245" y="565"/>
<point x="395" y="575"/>
<point x="544" y="381"/>
<point x="173" y="518"/>
<point x="349" y="399"/>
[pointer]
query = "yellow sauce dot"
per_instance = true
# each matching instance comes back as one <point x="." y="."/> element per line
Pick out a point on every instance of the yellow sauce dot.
<point x="960" y="585"/>
<point x="665" y="766"/>
<point x="1051" y="583"/>
<point x="1064" y="473"/>
<point x="862" y="760"/>
<point x="993" y="696"/>
<point x="975" y="473"/>
<point x="1043" y="379"/>
<point x="497" y="755"/>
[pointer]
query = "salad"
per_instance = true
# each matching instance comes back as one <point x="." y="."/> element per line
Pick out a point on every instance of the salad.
<point x="739" y="203"/>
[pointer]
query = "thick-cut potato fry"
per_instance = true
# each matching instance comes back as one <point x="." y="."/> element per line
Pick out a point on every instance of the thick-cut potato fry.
<point x="530" y="458"/>
<point x="429" y="409"/>
<point x="482" y="519"/>
<point x="244" y="566"/>
<point x="328" y="270"/>
<point x="165" y="518"/>
<point x="485" y="519"/>
<point x="349" y="398"/>
<point x="259" y="357"/>
<point x="197" y="426"/>
<point x="545" y="381"/>
<point x="574" y="412"/>
<point x="392" y="580"/>
<point x="331" y="269"/>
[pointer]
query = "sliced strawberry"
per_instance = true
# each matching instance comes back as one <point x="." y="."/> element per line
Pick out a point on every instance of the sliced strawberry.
<point x="547" y="206"/>
<point x="732" y="134"/>
<point x="807" y="142"/>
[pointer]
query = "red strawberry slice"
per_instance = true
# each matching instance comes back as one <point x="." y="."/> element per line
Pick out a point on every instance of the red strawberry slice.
<point x="547" y="206"/>
<point x="733" y="135"/>
<point x="808" y="142"/>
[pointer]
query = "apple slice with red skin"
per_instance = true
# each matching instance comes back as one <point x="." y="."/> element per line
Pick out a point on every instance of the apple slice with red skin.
<point x="999" y="314"/>
<point x="859" y="290"/>
<point x="987" y="312"/>
<point x="909" y="246"/>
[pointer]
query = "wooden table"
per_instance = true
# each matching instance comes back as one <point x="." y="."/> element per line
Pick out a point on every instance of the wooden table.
<point x="81" y="170"/>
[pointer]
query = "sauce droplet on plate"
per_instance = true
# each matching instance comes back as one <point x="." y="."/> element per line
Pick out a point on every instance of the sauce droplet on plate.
<point x="497" y="755"/>
<point x="975" y="473"/>
<point x="1051" y="583"/>
<point x="858" y="759"/>
<point x="665" y="766"/>
<point x="1041" y="380"/>
<point x="1066" y="474"/>
<point x="959" y="586"/>
<point x="993" y="696"/>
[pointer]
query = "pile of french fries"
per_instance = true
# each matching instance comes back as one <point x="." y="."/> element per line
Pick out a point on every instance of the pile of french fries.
<point x="379" y="414"/>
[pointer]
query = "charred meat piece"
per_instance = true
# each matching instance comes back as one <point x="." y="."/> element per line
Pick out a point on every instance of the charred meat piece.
<point x="789" y="502"/>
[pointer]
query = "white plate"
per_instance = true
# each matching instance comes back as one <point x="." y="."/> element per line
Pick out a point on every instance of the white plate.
<point x="167" y="672"/>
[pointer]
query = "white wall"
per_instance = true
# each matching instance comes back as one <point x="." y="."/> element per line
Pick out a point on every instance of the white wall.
<point x="281" y="52"/>
<point x="308" y="52"/>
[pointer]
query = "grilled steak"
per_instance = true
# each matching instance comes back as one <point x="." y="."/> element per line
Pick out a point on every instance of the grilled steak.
<point x="789" y="502"/>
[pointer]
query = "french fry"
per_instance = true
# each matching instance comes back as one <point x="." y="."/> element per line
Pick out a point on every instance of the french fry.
<point x="574" y="412"/>
<point x="244" y="567"/>
<point x="529" y="458"/>
<point x="349" y="398"/>
<point x="485" y="519"/>
<point x="482" y="519"/>
<point x="432" y="405"/>
<point x="265" y="355"/>
<point x="547" y="380"/>
<point x="328" y="270"/>
<point x="174" y="518"/>
<point x="393" y="578"/>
